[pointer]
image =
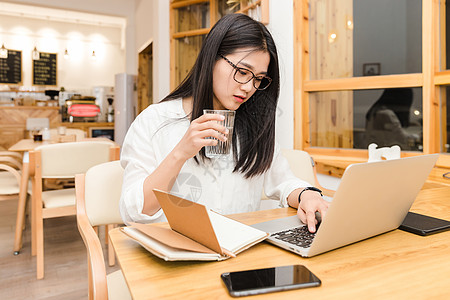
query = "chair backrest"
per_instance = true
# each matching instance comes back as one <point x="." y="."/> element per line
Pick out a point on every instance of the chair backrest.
<point x="98" y="194"/>
<point x="301" y="164"/>
<point x="79" y="134"/>
<point x="65" y="160"/>
<point x="103" y="186"/>
<point x="37" y="123"/>
<point x="377" y="154"/>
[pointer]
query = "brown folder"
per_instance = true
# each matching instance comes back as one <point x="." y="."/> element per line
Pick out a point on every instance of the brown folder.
<point x="190" y="229"/>
<point x="190" y="219"/>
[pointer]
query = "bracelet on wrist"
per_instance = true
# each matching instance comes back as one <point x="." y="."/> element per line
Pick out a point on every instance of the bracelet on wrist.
<point x="309" y="188"/>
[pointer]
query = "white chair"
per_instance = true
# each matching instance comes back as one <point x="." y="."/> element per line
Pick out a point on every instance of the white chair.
<point x="63" y="160"/>
<point x="303" y="167"/>
<point x="377" y="154"/>
<point x="78" y="134"/>
<point x="98" y="195"/>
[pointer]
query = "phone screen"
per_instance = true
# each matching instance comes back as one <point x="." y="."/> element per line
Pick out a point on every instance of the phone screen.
<point x="252" y="282"/>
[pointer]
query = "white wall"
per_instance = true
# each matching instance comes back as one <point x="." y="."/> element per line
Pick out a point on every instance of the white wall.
<point x="161" y="61"/>
<point x="120" y="8"/>
<point x="282" y="30"/>
<point x="152" y="25"/>
<point x="77" y="72"/>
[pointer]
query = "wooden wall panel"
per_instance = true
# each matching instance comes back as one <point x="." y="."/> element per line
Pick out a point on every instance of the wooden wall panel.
<point x="331" y="113"/>
<point x="145" y="79"/>
<point x="13" y="122"/>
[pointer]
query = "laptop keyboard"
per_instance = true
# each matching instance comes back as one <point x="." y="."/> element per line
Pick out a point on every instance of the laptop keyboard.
<point x="299" y="236"/>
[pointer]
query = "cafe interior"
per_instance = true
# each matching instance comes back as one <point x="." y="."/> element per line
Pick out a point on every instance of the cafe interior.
<point x="75" y="74"/>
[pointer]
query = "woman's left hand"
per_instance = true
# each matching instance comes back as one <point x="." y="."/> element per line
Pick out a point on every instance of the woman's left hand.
<point x="311" y="202"/>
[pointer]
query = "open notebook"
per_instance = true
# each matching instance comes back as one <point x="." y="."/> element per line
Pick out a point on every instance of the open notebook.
<point x="195" y="233"/>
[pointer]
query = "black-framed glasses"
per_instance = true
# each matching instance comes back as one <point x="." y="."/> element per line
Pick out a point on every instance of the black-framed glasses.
<point x="243" y="75"/>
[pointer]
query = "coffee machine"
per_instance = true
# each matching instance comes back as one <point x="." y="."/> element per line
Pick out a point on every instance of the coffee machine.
<point x="102" y="94"/>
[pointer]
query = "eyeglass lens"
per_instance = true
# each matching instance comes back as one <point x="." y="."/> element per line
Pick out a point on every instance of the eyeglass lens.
<point x="243" y="76"/>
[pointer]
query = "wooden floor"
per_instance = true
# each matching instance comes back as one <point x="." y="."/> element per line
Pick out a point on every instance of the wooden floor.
<point x="65" y="260"/>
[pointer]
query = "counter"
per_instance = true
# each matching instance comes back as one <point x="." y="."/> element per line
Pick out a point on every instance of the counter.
<point x="13" y="121"/>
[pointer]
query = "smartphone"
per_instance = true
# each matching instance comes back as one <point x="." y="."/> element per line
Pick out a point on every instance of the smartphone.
<point x="261" y="281"/>
<point x="423" y="225"/>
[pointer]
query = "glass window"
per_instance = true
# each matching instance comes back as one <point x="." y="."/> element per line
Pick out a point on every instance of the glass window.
<point x="351" y="38"/>
<point x="355" y="119"/>
<point x="192" y="17"/>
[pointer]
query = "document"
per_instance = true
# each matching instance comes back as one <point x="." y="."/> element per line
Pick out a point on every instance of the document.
<point x="193" y="233"/>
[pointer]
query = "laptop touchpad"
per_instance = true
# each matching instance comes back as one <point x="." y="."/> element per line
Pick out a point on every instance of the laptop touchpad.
<point x="278" y="224"/>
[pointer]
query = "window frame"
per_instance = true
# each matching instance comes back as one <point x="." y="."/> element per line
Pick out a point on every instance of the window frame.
<point x="430" y="80"/>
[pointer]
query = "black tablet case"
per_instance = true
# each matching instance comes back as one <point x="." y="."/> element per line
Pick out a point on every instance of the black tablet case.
<point x="423" y="225"/>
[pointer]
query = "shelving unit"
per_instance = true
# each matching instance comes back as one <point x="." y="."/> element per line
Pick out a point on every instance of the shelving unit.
<point x="191" y="20"/>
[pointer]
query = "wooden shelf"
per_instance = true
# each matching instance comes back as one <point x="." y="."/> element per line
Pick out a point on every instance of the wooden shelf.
<point x="19" y="91"/>
<point x="31" y="107"/>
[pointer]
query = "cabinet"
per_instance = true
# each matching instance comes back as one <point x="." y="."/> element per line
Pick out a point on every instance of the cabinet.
<point x="89" y="126"/>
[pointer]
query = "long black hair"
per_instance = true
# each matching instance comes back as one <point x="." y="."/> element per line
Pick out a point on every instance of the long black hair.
<point x="254" y="126"/>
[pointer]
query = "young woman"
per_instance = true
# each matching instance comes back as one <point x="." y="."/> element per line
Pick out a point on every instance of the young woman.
<point x="236" y="69"/>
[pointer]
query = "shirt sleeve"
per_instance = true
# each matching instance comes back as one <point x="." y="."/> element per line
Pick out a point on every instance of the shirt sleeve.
<point x="138" y="160"/>
<point x="279" y="181"/>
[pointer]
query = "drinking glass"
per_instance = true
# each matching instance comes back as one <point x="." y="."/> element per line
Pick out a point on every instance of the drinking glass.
<point x="222" y="149"/>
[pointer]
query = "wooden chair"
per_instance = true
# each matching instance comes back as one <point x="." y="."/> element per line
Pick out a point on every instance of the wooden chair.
<point x="63" y="160"/>
<point x="10" y="175"/>
<point x="9" y="178"/>
<point x="98" y="194"/>
<point x="13" y="185"/>
<point x="77" y="133"/>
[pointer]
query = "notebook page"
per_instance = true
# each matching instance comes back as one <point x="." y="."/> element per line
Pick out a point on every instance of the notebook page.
<point x="166" y="252"/>
<point x="233" y="235"/>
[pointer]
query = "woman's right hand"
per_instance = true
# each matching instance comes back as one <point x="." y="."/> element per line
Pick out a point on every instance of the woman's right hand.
<point x="196" y="137"/>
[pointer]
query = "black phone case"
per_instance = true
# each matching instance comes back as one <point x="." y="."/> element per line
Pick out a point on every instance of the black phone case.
<point x="423" y="225"/>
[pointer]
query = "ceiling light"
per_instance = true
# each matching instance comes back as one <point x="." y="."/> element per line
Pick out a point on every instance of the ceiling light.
<point x="35" y="54"/>
<point x="66" y="54"/>
<point x="93" y="56"/>
<point x="3" y="52"/>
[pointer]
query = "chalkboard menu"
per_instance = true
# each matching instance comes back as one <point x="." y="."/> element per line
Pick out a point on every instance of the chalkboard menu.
<point x="11" y="67"/>
<point x="44" y="69"/>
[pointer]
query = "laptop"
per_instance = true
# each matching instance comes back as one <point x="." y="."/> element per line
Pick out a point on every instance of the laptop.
<point x="372" y="198"/>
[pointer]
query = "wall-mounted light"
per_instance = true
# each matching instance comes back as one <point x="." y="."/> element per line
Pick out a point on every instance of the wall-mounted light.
<point x="93" y="56"/>
<point x="66" y="54"/>
<point x="349" y="24"/>
<point x="3" y="52"/>
<point x="35" y="54"/>
<point x="332" y="36"/>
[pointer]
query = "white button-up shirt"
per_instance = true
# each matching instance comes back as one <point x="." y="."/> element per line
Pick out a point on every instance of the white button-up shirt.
<point x="153" y="135"/>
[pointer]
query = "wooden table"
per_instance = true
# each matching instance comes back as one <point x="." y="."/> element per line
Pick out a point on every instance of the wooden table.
<point x="394" y="265"/>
